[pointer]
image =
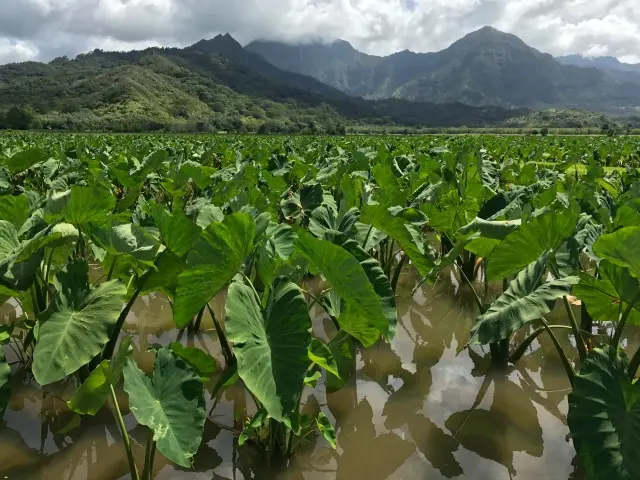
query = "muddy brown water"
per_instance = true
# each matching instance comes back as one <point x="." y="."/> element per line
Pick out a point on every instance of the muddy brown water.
<point x="424" y="406"/>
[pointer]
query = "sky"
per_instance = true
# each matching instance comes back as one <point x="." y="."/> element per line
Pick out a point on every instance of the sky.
<point x="44" y="29"/>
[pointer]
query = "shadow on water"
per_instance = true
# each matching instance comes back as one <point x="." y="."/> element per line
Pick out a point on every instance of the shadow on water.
<point x="424" y="406"/>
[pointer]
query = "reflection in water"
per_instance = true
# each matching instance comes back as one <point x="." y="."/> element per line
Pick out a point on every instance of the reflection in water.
<point x="424" y="406"/>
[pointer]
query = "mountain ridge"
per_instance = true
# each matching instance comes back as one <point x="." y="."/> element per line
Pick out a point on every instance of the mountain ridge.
<point x="485" y="67"/>
<point x="212" y="84"/>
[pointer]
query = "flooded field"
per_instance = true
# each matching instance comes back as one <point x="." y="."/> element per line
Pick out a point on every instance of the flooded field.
<point x="424" y="406"/>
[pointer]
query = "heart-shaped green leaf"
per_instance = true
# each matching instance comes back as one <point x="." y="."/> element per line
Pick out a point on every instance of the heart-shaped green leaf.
<point x="76" y="325"/>
<point x="525" y="300"/>
<point x="604" y="417"/>
<point x="171" y="403"/>
<point x="270" y="344"/>
<point x="214" y="259"/>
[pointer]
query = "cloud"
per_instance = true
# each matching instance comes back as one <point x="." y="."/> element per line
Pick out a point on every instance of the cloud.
<point x="44" y="29"/>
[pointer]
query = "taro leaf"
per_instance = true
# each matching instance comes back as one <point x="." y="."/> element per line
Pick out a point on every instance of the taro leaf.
<point x="526" y="244"/>
<point x="165" y="277"/>
<point x="150" y="164"/>
<point x="495" y="229"/>
<point x="216" y="256"/>
<point x="320" y="354"/>
<point x="324" y="218"/>
<point x="344" y="354"/>
<point x="326" y="429"/>
<point x="127" y="239"/>
<point x="26" y="159"/>
<point x="201" y="362"/>
<point x="277" y="246"/>
<point x="95" y="390"/>
<point x="171" y="403"/>
<point x="604" y="297"/>
<point x="301" y="204"/>
<point x="80" y="205"/>
<point x="270" y="344"/>
<point x="621" y="247"/>
<point x="363" y="315"/>
<point x="208" y="214"/>
<point x="377" y="277"/>
<point x="19" y="261"/>
<point x="524" y="301"/>
<point x="5" y="388"/>
<point x="14" y="209"/>
<point x="256" y="422"/>
<point x="368" y="236"/>
<point x="177" y="231"/>
<point x="404" y="234"/>
<point x="76" y="325"/>
<point x="604" y="417"/>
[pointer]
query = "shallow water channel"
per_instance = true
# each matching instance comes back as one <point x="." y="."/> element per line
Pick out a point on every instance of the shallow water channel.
<point x="423" y="407"/>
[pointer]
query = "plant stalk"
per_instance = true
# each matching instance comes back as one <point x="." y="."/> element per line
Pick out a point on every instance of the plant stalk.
<point x="149" y="455"/>
<point x="580" y="345"/>
<point x="112" y="268"/>
<point x="224" y="344"/>
<point x="125" y="435"/>
<point x="396" y="275"/>
<point x="634" y="364"/>
<point x="526" y="343"/>
<point x="110" y="347"/>
<point x="622" y="320"/>
<point x="571" y="373"/>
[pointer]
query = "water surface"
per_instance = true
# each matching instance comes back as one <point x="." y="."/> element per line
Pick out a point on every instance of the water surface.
<point x="424" y="406"/>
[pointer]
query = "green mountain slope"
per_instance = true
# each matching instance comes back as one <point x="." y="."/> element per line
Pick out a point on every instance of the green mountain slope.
<point x="486" y="67"/>
<point x="213" y="84"/>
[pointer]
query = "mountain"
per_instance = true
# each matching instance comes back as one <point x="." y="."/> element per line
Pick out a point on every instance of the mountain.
<point x="603" y="63"/>
<point x="485" y="67"/>
<point x="212" y="84"/>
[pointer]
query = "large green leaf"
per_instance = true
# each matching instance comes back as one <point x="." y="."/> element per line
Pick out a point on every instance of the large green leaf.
<point x="14" y="209"/>
<point x="177" y="231"/>
<point x="301" y="204"/>
<point x="604" y="417"/>
<point x="201" y="362"/>
<point x="403" y="233"/>
<point x="621" y="247"/>
<point x="26" y="159"/>
<point x="270" y="344"/>
<point x="127" y="239"/>
<point x="76" y="325"/>
<point x="363" y="315"/>
<point x="325" y="218"/>
<point x="524" y="245"/>
<point x="80" y="205"/>
<point x="604" y="297"/>
<point x="94" y="391"/>
<point x="171" y="403"/>
<point x="377" y="277"/>
<point x="19" y="261"/>
<point x="525" y="300"/>
<point x="216" y="256"/>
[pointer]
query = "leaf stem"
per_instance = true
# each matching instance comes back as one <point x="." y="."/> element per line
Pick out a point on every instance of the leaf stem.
<point x="149" y="455"/>
<point x="226" y="350"/>
<point x="634" y="364"/>
<point x="571" y="373"/>
<point x="112" y="268"/>
<point x="125" y="435"/>
<point x="481" y="306"/>
<point x="396" y="275"/>
<point x="519" y="352"/>
<point x="582" y="349"/>
<point x="622" y="320"/>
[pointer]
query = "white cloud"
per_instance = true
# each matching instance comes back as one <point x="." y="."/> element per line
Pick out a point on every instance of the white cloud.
<point x="49" y="28"/>
<point x="11" y="52"/>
